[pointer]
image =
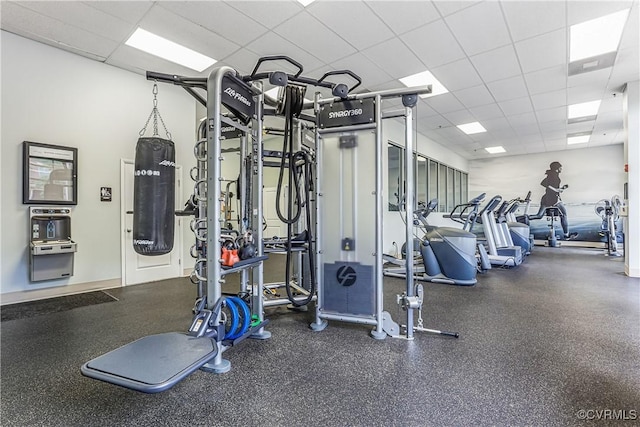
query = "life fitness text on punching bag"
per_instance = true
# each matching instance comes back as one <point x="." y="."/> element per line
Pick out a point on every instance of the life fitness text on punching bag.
<point x="154" y="196"/>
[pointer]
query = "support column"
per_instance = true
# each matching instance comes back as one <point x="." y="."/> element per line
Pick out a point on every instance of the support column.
<point x="631" y="224"/>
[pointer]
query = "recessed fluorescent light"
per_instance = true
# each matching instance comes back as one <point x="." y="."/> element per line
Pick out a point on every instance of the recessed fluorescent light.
<point x="273" y="92"/>
<point x="422" y="79"/>
<point x="496" y="150"/>
<point x="471" y="128"/>
<point x="597" y="36"/>
<point x="578" y="139"/>
<point x="583" y="109"/>
<point x="166" y="49"/>
<point x="305" y="3"/>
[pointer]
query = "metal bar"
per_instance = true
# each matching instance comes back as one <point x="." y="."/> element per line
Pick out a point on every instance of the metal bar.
<point x="393" y="114"/>
<point x="352" y="128"/>
<point x="391" y="93"/>
<point x="214" y="269"/>
<point x="319" y="238"/>
<point x="348" y="318"/>
<point x="258" y="169"/>
<point x="409" y="199"/>
<point x="235" y="124"/>
<point x="379" y="215"/>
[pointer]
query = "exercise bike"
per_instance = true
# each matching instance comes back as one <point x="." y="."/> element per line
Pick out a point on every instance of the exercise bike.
<point x="446" y="254"/>
<point x="609" y="212"/>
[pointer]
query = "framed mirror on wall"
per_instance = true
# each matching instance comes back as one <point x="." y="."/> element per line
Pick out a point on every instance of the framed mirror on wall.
<point x="50" y="174"/>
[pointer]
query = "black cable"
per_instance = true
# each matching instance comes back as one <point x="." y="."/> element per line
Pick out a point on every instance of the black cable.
<point x="293" y="101"/>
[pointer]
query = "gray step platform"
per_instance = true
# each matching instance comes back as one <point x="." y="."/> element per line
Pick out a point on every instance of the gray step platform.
<point x="152" y="364"/>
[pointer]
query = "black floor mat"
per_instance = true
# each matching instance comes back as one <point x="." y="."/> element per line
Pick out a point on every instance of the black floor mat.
<point x="53" y="305"/>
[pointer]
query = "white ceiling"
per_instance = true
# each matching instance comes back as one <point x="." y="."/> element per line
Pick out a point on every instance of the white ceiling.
<point x="504" y="62"/>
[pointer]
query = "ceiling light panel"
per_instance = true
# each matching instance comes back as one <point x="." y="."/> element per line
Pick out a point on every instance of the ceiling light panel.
<point x="171" y="51"/>
<point x="305" y="3"/>
<point x="584" y="109"/>
<point x="495" y="150"/>
<point x="597" y="36"/>
<point x="471" y="128"/>
<point x="422" y="79"/>
<point x="578" y="139"/>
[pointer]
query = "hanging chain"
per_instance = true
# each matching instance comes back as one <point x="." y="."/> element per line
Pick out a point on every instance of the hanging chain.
<point x="155" y="113"/>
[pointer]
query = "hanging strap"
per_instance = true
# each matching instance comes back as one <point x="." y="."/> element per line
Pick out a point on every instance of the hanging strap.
<point x="155" y="113"/>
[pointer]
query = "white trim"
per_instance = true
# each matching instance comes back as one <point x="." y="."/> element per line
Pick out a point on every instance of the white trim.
<point x="58" y="291"/>
<point x="631" y="272"/>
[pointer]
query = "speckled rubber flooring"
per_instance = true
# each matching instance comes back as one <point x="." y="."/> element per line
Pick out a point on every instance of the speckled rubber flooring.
<point x="547" y="344"/>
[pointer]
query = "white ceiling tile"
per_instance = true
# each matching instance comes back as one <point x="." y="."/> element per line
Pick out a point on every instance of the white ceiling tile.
<point x="395" y="58"/>
<point x="459" y="117"/>
<point x="474" y="96"/>
<point x="547" y="50"/>
<point x="547" y="80"/>
<point x="625" y="68"/>
<point x="548" y="128"/>
<point x="511" y="88"/>
<point x="180" y="30"/>
<point x="493" y="125"/>
<point x="447" y="7"/>
<point x="528" y="132"/>
<point x="367" y="70"/>
<point x="129" y="11"/>
<point x="578" y="12"/>
<point x="243" y="60"/>
<point x="324" y="44"/>
<point x="556" y="98"/>
<point x="479" y="28"/>
<point x="486" y="64"/>
<point x="552" y="114"/>
<point x="434" y="122"/>
<point x="424" y="110"/>
<point x="524" y="119"/>
<point x="338" y="16"/>
<point x="535" y="148"/>
<point x="30" y="24"/>
<point x="403" y="16"/>
<point x="433" y="44"/>
<point x="608" y="121"/>
<point x="82" y="16"/>
<point x="268" y="13"/>
<point x="484" y="112"/>
<point x="593" y="78"/>
<point x="444" y="103"/>
<point x="576" y="95"/>
<point x="611" y="103"/>
<point x="457" y="75"/>
<point x="217" y="17"/>
<point x="531" y="18"/>
<point x="631" y="34"/>
<point x="272" y="44"/>
<point x="516" y="106"/>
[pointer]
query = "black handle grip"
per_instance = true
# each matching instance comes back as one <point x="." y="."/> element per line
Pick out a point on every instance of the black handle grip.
<point x="341" y="72"/>
<point x="277" y="58"/>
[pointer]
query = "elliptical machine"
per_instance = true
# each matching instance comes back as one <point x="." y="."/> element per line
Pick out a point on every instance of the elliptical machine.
<point x="448" y="254"/>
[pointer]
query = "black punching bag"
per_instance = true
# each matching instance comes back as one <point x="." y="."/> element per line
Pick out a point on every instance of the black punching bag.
<point x="154" y="196"/>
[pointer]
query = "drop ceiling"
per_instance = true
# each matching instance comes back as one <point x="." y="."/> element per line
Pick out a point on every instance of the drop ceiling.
<point x="505" y="63"/>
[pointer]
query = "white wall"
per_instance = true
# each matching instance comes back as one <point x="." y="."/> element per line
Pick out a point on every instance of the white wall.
<point x="54" y="97"/>
<point x="591" y="173"/>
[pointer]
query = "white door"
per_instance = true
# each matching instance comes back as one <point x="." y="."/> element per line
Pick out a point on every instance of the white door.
<point x="137" y="268"/>
<point x="275" y="227"/>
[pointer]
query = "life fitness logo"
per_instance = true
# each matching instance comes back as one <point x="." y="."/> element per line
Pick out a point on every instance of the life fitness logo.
<point x="346" y="275"/>
<point x="237" y="96"/>
<point x="149" y="172"/>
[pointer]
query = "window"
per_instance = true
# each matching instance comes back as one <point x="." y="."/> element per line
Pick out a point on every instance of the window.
<point x="442" y="188"/>
<point x="421" y="179"/>
<point x="395" y="174"/>
<point x="433" y="180"/>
